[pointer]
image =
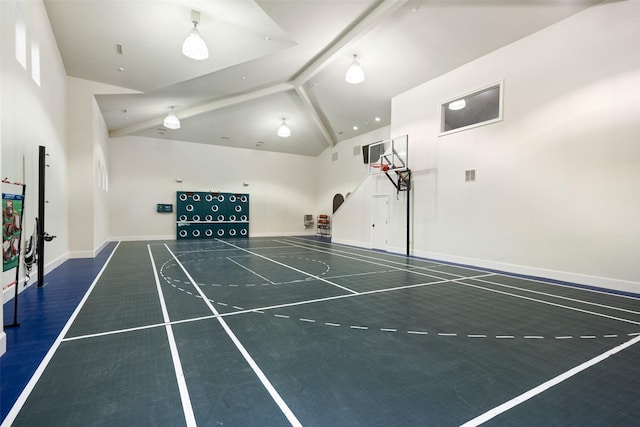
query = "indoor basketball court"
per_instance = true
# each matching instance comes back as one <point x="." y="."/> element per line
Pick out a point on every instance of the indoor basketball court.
<point x="295" y="331"/>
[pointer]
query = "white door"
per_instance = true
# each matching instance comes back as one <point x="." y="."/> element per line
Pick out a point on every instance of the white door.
<point x="379" y="221"/>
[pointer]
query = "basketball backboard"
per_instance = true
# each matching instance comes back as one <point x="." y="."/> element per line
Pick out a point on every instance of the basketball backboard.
<point x="390" y="155"/>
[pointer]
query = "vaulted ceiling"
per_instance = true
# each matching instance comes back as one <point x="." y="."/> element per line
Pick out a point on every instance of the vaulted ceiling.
<point x="275" y="59"/>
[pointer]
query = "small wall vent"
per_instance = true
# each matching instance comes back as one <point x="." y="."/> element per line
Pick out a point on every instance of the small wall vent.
<point x="470" y="175"/>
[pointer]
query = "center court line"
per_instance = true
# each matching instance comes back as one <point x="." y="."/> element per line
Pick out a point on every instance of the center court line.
<point x="254" y="366"/>
<point x="289" y="267"/>
<point x="547" y="385"/>
<point x="189" y="416"/>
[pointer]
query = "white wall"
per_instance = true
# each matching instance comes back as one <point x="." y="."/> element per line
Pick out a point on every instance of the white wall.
<point x="100" y="179"/>
<point x="345" y="174"/>
<point x="34" y="115"/>
<point x="88" y="166"/>
<point x="281" y="187"/>
<point x="557" y="181"/>
<point x="31" y="115"/>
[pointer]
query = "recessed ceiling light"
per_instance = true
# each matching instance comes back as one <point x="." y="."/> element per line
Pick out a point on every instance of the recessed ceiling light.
<point x="267" y="38"/>
<point x="121" y="69"/>
<point x="457" y="105"/>
<point x="377" y="119"/>
<point x="355" y="128"/>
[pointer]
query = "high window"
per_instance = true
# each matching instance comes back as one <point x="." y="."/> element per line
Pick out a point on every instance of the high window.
<point x="474" y="109"/>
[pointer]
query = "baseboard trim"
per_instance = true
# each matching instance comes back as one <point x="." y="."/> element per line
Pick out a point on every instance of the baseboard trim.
<point x="626" y="286"/>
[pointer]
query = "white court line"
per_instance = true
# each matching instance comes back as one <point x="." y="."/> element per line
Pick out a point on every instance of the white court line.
<point x="13" y="413"/>
<point x="289" y="267"/>
<point x="117" y="331"/>
<point x="507" y="293"/>
<point x="175" y="356"/>
<point x="379" y="263"/>
<point x="250" y="271"/>
<point x="620" y="319"/>
<point x="560" y="297"/>
<point x="254" y="366"/>
<point x="547" y="385"/>
<point x="568" y="285"/>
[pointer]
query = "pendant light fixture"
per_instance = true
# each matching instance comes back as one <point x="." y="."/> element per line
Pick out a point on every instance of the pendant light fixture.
<point x="355" y="73"/>
<point x="194" y="47"/>
<point x="171" y="121"/>
<point x="283" y="130"/>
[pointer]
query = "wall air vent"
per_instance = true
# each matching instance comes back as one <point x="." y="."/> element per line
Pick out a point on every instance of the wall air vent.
<point x="470" y="175"/>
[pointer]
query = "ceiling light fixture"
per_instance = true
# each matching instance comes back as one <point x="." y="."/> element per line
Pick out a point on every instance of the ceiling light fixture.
<point x="194" y="47"/>
<point x="457" y="105"/>
<point x="355" y="73"/>
<point x="283" y="130"/>
<point x="171" y="121"/>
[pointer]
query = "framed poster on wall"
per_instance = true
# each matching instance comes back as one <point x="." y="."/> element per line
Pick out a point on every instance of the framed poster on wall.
<point x="11" y="214"/>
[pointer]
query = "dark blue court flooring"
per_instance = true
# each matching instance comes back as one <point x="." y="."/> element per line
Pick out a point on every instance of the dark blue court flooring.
<point x="42" y="313"/>
<point x="291" y="331"/>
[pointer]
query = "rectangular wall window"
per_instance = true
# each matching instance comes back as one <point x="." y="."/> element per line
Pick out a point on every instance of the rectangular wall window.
<point x="474" y="109"/>
<point x="35" y="62"/>
<point x="21" y="38"/>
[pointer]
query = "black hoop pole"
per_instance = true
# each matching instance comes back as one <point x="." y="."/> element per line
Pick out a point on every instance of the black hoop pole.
<point x="17" y="282"/>
<point x="40" y="223"/>
<point x="408" y="209"/>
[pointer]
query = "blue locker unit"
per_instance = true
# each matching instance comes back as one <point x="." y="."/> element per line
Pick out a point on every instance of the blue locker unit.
<point x="238" y="207"/>
<point x="214" y="207"/>
<point x="208" y="230"/>
<point x="188" y="231"/>
<point x="210" y="215"/>
<point x="238" y="229"/>
<point x="189" y="206"/>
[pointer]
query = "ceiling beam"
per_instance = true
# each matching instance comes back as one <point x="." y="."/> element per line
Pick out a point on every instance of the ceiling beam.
<point x="364" y="26"/>
<point x="359" y="30"/>
<point x="318" y="120"/>
<point x="203" y="108"/>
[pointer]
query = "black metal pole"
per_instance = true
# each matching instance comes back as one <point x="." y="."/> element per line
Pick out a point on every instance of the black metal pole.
<point x="408" y="208"/>
<point x="40" y="223"/>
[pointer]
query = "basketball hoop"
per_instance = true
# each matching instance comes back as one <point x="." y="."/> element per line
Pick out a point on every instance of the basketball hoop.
<point x="383" y="168"/>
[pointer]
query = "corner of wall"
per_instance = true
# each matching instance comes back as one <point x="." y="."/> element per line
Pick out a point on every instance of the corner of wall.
<point x="3" y="343"/>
